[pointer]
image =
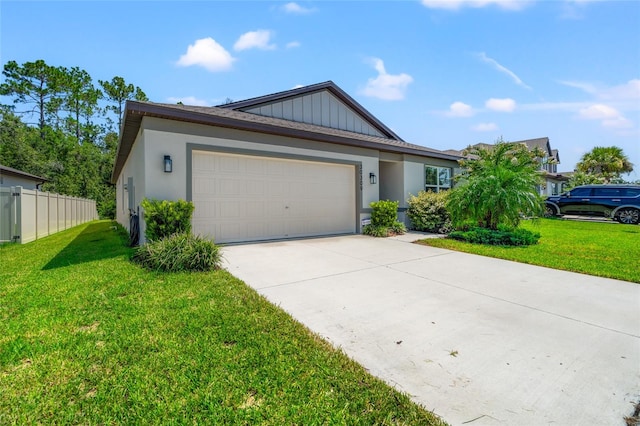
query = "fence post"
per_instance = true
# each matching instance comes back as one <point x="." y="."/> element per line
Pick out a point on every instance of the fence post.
<point x="48" y="213"/>
<point x="35" y="222"/>
<point x="16" y="228"/>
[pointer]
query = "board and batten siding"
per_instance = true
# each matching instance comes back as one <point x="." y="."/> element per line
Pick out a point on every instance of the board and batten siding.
<point x="321" y="109"/>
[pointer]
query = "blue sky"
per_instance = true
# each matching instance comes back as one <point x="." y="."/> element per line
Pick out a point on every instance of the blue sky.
<point x="440" y="73"/>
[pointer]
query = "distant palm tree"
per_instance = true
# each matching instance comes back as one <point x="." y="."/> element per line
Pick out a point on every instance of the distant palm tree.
<point x="497" y="185"/>
<point x="605" y="164"/>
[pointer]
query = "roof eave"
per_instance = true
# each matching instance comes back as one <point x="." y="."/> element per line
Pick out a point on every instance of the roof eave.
<point x="134" y="111"/>
<point x="19" y="173"/>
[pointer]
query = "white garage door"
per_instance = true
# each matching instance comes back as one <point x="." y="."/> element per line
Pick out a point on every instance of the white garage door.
<point x="249" y="198"/>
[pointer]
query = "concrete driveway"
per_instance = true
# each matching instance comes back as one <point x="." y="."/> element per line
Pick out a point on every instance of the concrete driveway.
<point x="476" y="340"/>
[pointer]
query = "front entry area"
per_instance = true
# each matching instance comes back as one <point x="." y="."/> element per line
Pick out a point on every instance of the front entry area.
<point x="241" y="198"/>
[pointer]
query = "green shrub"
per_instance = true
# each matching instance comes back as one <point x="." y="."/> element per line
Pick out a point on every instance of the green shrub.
<point x="500" y="237"/>
<point x="384" y="220"/>
<point x="164" y="218"/>
<point x="385" y="213"/>
<point x="428" y="212"/>
<point x="179" y="252"/>
<point x="398" y="228"/>
<point x="376" y="231"/>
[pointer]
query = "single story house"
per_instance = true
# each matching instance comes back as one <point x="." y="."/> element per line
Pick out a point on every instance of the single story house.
<point x="299" y="163"/>
<point x="13" y="177"/>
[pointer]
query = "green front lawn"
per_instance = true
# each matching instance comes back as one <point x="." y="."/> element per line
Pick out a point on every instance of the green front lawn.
<point x="87" y="337"/>
<point x="596" y="248"/>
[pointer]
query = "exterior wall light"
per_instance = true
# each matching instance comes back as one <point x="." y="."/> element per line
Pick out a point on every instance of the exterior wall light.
<point x="168" y="164"/>
<point x="373" y="179"/>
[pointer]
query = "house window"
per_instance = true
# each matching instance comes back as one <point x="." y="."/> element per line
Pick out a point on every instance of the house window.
<point x="437" y="178"/>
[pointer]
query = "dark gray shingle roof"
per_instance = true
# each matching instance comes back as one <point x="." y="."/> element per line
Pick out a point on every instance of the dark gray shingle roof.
<point x="229" y="118"/>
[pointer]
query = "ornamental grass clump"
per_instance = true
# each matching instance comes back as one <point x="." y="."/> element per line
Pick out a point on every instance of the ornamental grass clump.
<point x="179" y="252"/>
<point x="170" y="245"/>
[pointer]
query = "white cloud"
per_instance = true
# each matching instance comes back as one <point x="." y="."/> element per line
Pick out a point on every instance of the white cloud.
<point x="598" y="112"/>
<point x="388" y="87"/>
<point x="293" y="44"/>
<point x="485" y="127"/>
<point x="585" y="87"/>
<point x="207" y="53"/>
<point x="296" y="9"/>
<point x="502" y="69"/>
<point x="630" y="90"/>
<point x="609" y="117"/>
<point x="619" y="122"/>
<point x="502" y="105"/>
<point x="574" y="9"/>
<point x="554" y="106"/>
<point x="459" y="4"/>
<point x="627" y="91"/>
<point x="460" y="109"/>
<point x="188" y="100"/>
<point x="254" y="40"/>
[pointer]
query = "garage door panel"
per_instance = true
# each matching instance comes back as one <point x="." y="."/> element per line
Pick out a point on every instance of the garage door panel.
<point x="249" y="198"/>
<point x="255" y="166"/>
<point x="256" y="187"/>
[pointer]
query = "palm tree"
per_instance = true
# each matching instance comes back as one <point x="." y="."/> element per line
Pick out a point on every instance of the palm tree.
<point x="605" y="164"/>
<point x="497" y="185"/>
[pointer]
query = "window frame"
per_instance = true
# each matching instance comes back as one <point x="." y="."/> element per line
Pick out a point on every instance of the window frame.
<point x="440" y="184"/>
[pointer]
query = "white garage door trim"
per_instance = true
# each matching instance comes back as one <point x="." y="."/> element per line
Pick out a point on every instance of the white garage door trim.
<point x="242" y="197"/>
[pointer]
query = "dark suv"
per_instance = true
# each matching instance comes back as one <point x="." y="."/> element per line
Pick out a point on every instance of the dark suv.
<point x="618" y="202"/>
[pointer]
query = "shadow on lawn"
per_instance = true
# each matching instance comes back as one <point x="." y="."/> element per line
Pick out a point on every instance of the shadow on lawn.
<point x="98" y="241"/>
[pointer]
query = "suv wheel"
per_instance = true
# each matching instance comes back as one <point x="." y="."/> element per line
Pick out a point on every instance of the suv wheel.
<point x="628" y="215"/>
<point x="550" y="210"/>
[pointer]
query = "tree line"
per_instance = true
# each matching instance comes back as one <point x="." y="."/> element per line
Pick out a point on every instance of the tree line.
<point x="62" y="125"/>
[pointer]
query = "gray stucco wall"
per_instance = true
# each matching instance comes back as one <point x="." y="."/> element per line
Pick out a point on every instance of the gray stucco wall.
<point x="7" y="181"/>
<point x="399" y="175"/>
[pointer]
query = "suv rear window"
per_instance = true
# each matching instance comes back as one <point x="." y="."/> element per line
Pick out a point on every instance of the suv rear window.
<point x="608" y="192"/>
<point x="631" y="192"/>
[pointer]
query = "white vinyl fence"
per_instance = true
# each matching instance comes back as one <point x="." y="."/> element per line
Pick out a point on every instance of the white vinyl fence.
<point x="26" y="215"/>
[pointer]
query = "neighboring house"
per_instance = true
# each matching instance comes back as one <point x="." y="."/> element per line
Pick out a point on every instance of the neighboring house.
<point x="12" y="177"/>
<point x="554" y="182"/>
<point x="300" y="163"/>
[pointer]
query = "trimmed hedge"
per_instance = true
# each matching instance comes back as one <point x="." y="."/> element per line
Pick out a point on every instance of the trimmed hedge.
<point x="164" y="218"/>
<point x="500" y="237"/>
<point x="384" y="220"/>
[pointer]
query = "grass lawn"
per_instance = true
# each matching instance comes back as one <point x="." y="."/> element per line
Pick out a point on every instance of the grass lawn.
<point x="87" y="337"/>
<point x="603" y="249"/>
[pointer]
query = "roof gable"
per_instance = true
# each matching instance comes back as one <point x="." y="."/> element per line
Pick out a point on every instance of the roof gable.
<point x="542" y="143"/>
<point x="322" y="104"/>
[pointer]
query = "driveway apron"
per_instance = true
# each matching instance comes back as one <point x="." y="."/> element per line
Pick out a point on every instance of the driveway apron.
<point x="476" y="340"/>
